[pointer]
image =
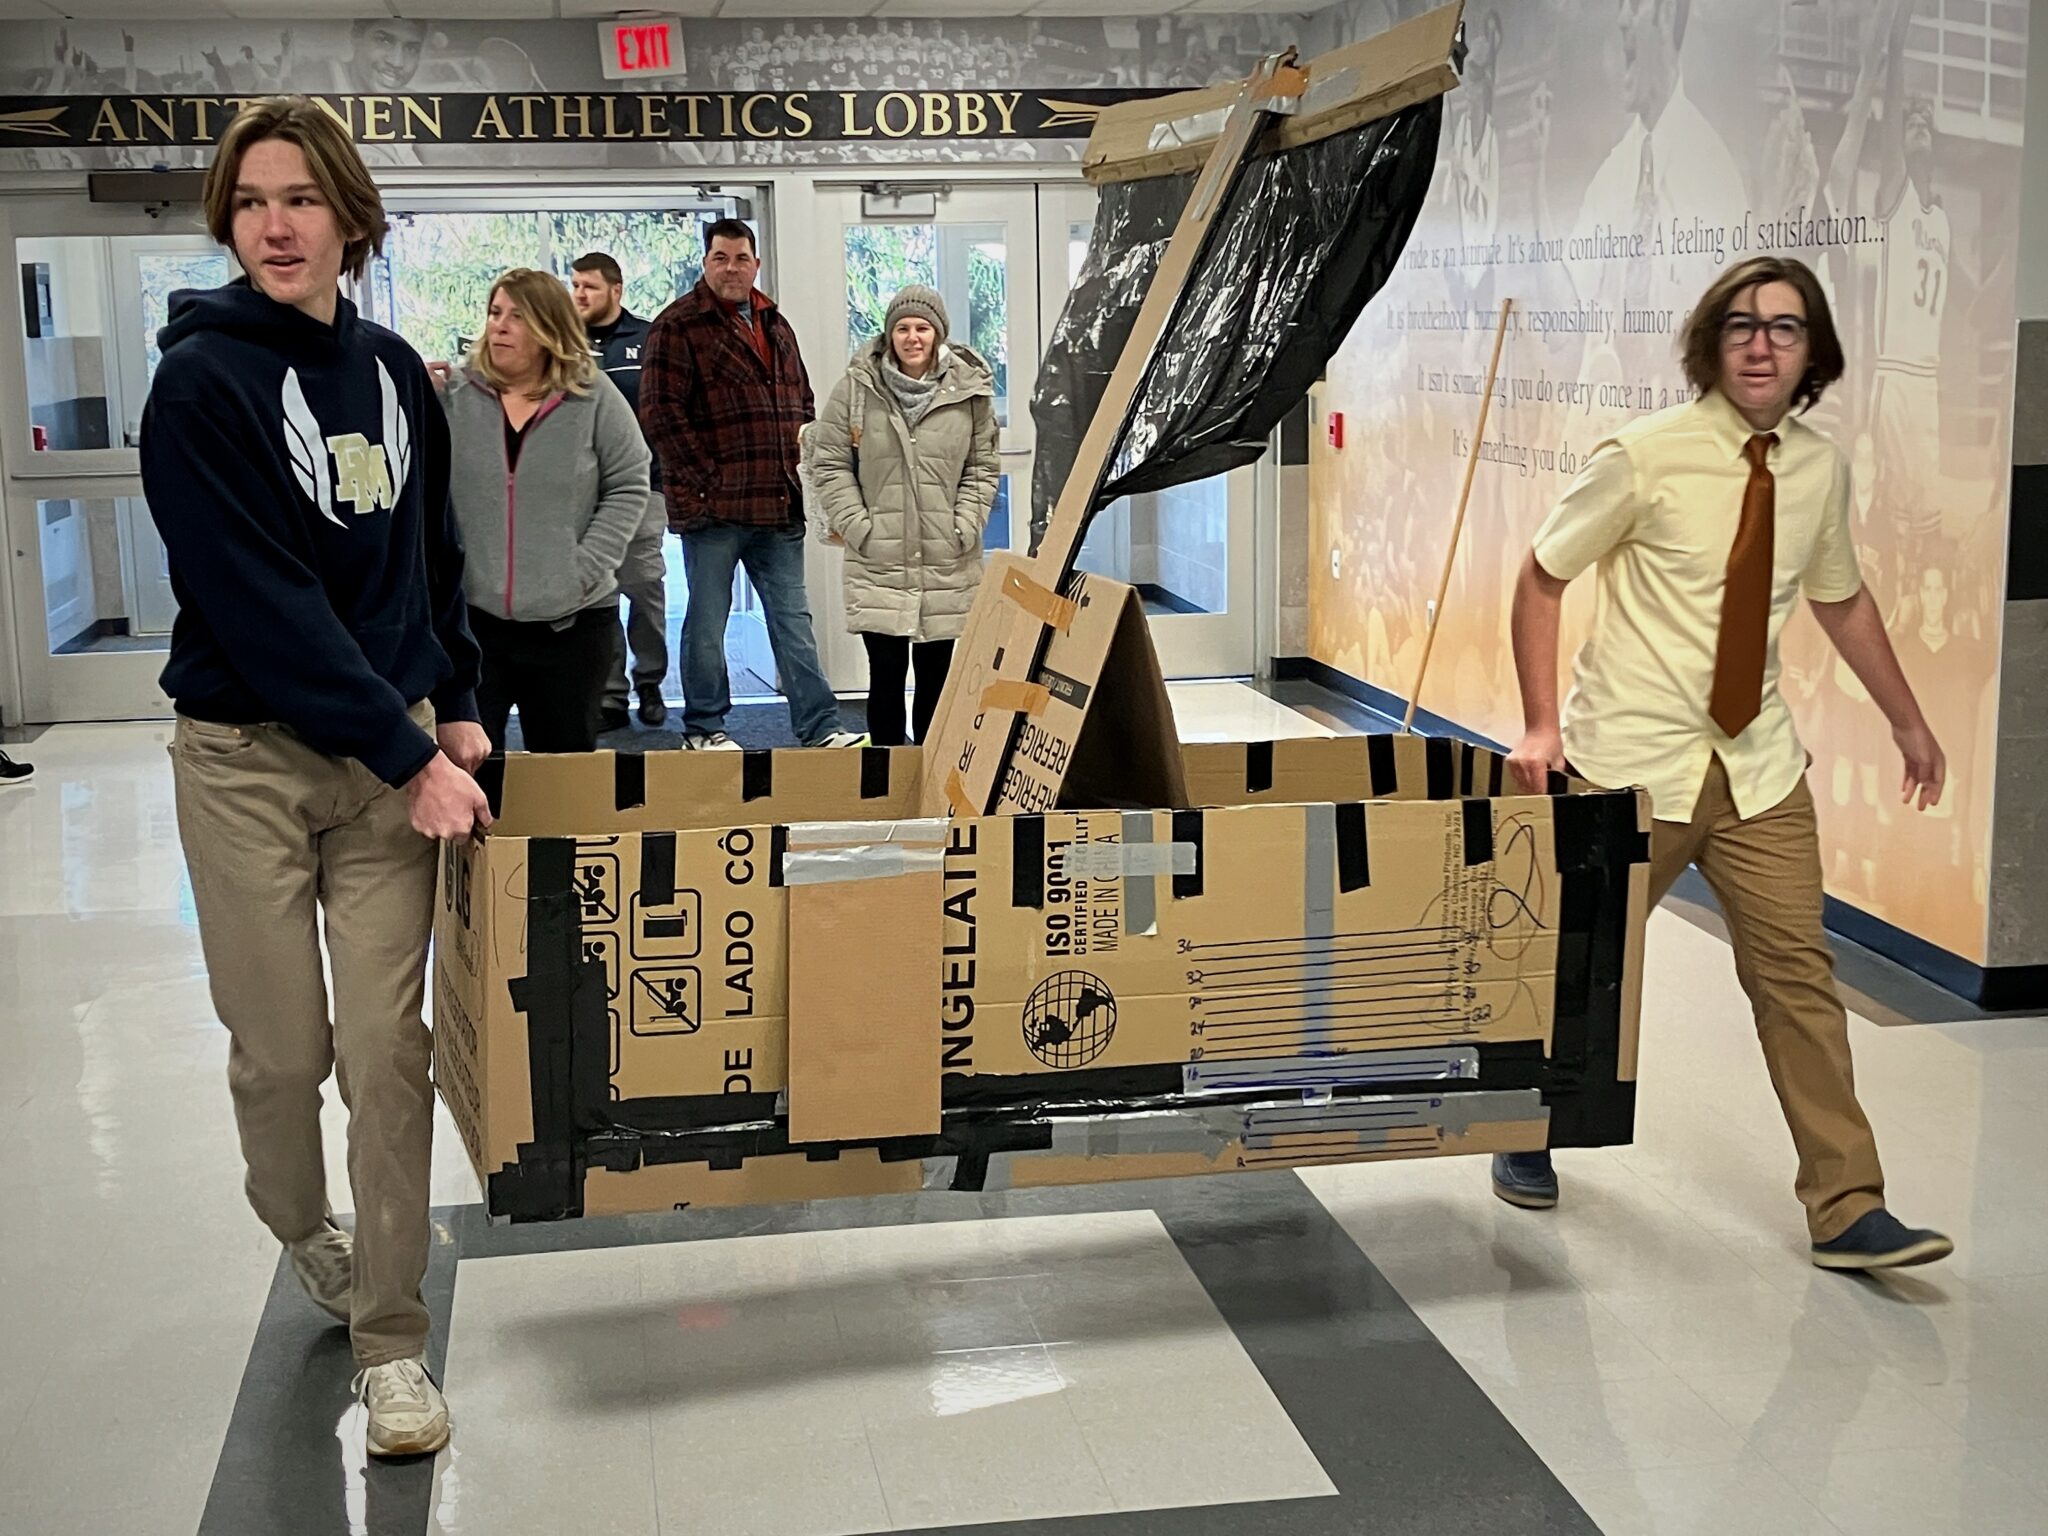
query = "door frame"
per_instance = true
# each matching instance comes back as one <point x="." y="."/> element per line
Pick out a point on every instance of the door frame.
<point x="1043" y="210"/>
<point x="34" y="684"/>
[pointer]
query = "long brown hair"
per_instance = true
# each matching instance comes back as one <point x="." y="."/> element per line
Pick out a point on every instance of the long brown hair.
<point x="331" y="155"/>
<point x="566" y="361"/>
<point x="1703" y="352"/>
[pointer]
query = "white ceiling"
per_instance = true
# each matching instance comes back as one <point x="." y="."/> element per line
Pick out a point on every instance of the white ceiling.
<point x="536" y="10"/>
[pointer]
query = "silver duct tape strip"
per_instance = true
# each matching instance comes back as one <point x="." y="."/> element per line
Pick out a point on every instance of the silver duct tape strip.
<point x="916" y="831"/>
<point x="1312" y="1073"/>
<point x="1189" y="130"/>
<point x="1326" y="91"/>
<point x="1207" y="1131"/>
<point x="873" y="861"/>
<point x="1000" y="1176"/>
<point x="939" y="1171"/>
<point x="1318" y="912"/>
<point x="1368" y="1123"/>
<point x="1141" y="893"/>
<point x="1110" y="861"/>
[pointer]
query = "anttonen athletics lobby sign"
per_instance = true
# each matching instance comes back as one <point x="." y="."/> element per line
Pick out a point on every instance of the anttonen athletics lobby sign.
<point x="540" y="117"/>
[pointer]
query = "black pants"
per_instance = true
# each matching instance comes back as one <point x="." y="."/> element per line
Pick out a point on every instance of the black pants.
<point x="889" y="658"/>
<point x="554" y="677"/>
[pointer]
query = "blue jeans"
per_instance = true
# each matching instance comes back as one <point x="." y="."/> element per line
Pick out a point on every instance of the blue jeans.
<point x="774" y="558"/>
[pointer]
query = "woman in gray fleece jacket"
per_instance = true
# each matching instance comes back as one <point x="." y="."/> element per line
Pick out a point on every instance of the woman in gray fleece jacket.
<point x="549" y="484"/>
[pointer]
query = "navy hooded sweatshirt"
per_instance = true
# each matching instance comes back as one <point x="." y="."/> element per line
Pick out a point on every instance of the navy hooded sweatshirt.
<point x="298" y="474"/>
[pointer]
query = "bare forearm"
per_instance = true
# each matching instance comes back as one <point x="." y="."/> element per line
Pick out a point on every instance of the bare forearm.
<point x="1856" y="629"/>
<point x="1539" y="603"/>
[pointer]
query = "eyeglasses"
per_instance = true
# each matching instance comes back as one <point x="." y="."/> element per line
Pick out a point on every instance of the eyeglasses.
<point x="1785" y="332"/>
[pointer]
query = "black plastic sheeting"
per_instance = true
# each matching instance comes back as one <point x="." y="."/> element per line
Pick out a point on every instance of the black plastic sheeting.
<point x="1309" y="237"/>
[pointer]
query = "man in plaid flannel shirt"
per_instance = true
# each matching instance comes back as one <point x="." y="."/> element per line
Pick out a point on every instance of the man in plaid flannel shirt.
<point x="722" y="394"/>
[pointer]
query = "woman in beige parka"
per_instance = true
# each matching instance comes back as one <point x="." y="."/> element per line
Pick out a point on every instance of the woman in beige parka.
<point x="904" y="465"/>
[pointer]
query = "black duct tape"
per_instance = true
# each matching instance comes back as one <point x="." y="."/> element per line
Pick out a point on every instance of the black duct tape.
<point x="1027" y="861"/>
<point x="757" y="775"/>
<point x="778" y="850"/>
<point x="1496" y="773"/>
<point x="629" y="781"/>
<point x="1440" y="754"/>
<point x="1187" y="828"/>
<point x="1598" y="838"/>
<point x="1557" y="784"/>
<point x="1478" y="832"/>
<point x="1258" y="767"/>
<point x="490" y="778"/>
<point x="1467" y="764"/>
<point x="546" y="1183"/>
<point x="1354" y="860"/>
<point x="1599" y="831"/>
<point x="874" y="773"/>
<point x="1386" y="771"/>
<point x="657" y="869"/>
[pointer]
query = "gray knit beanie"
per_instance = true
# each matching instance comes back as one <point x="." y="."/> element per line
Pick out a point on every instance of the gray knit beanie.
<point x="919" y="302"/>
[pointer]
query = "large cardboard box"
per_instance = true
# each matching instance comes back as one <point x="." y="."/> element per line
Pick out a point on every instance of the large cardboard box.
<point x="725" y="978"/>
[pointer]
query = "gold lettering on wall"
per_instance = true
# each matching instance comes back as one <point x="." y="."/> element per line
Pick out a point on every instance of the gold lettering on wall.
<point x="850" y="103"/>
<point x="106" y="126"/>
<point x="653" y="117"/>
<point x="147" y="117"/>
<point x="612" y="130"/>
<point x="1007" y="109"/>
<point x="418" y="117"/>
<point x="798" y="108"/>
<point x="755" y="130"/>
<point x="377" y="120"/>
<point x="694" y="128"/>
<point x="973" y="115"/>
<point x="526" y="104"/>
<point x="581" y="112"/>
<point x="907" y="112"/>
<point x="493" y="120"/>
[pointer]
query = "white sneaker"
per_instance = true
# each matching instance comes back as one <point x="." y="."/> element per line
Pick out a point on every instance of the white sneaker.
<point x="408" y="1415"/>
<point x="325" y="1264"/>
<point x="709" y="741"/>
<point x="842" y="739"/>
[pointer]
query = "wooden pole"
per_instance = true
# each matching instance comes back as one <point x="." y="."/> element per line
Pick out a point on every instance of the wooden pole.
<point x="1443" y="587"/>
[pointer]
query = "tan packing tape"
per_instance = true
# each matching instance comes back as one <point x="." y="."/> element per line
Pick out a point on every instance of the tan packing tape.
<point x="1039" y="600"/>
<point x="1025" y="698"/>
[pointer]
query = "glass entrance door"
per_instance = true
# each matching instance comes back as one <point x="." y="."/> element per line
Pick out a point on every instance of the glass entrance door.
<point x="90" y="597"/>
<point x="432" y="285"/>
<point x="1004" y="257"/>
<point x="1189" y="549"/>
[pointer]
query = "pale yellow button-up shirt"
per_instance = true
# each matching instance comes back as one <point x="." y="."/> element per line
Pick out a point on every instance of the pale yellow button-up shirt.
<point x="1656" y="506"/>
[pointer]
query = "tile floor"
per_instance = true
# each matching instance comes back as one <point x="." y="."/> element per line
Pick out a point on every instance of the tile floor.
<point x="1659" y="1341"/>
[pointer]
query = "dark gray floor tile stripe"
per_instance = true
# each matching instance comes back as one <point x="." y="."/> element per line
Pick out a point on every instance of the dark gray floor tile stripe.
<point x="1408" y="1439"/>
<point x="281" y="1466"/>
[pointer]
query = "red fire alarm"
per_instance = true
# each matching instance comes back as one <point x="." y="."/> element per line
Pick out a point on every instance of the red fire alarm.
<point x="1336" y="429"/>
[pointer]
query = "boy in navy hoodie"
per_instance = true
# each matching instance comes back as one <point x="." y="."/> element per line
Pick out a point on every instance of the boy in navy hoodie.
<point x="295" y="460"/>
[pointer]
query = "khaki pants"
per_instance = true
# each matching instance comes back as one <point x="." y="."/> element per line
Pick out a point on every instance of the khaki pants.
<point x="1765" y="872"/>
<point x="275" y="835"/>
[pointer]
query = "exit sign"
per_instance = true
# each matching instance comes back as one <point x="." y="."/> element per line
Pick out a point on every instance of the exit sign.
<point x="640" y="45"/>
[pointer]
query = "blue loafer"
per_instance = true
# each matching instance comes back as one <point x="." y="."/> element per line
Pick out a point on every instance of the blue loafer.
<point x="1525" y="1179"/>
<point x="1878" y="1240"/>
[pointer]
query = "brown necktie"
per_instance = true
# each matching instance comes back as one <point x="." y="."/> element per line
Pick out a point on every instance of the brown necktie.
<point x="1746" y="598"/>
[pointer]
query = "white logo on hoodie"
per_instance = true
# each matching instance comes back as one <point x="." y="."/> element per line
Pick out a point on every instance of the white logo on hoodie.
<point x="347" y="466"/>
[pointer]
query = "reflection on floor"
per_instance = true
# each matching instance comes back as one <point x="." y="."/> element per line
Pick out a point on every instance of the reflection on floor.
<point x="1659" y="1341"/>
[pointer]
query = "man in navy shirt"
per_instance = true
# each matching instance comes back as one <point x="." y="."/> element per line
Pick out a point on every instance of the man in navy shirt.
<point x="618" y="336"/>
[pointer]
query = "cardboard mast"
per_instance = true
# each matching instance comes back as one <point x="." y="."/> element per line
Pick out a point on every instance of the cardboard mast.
<point x="1043" y="675"/>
